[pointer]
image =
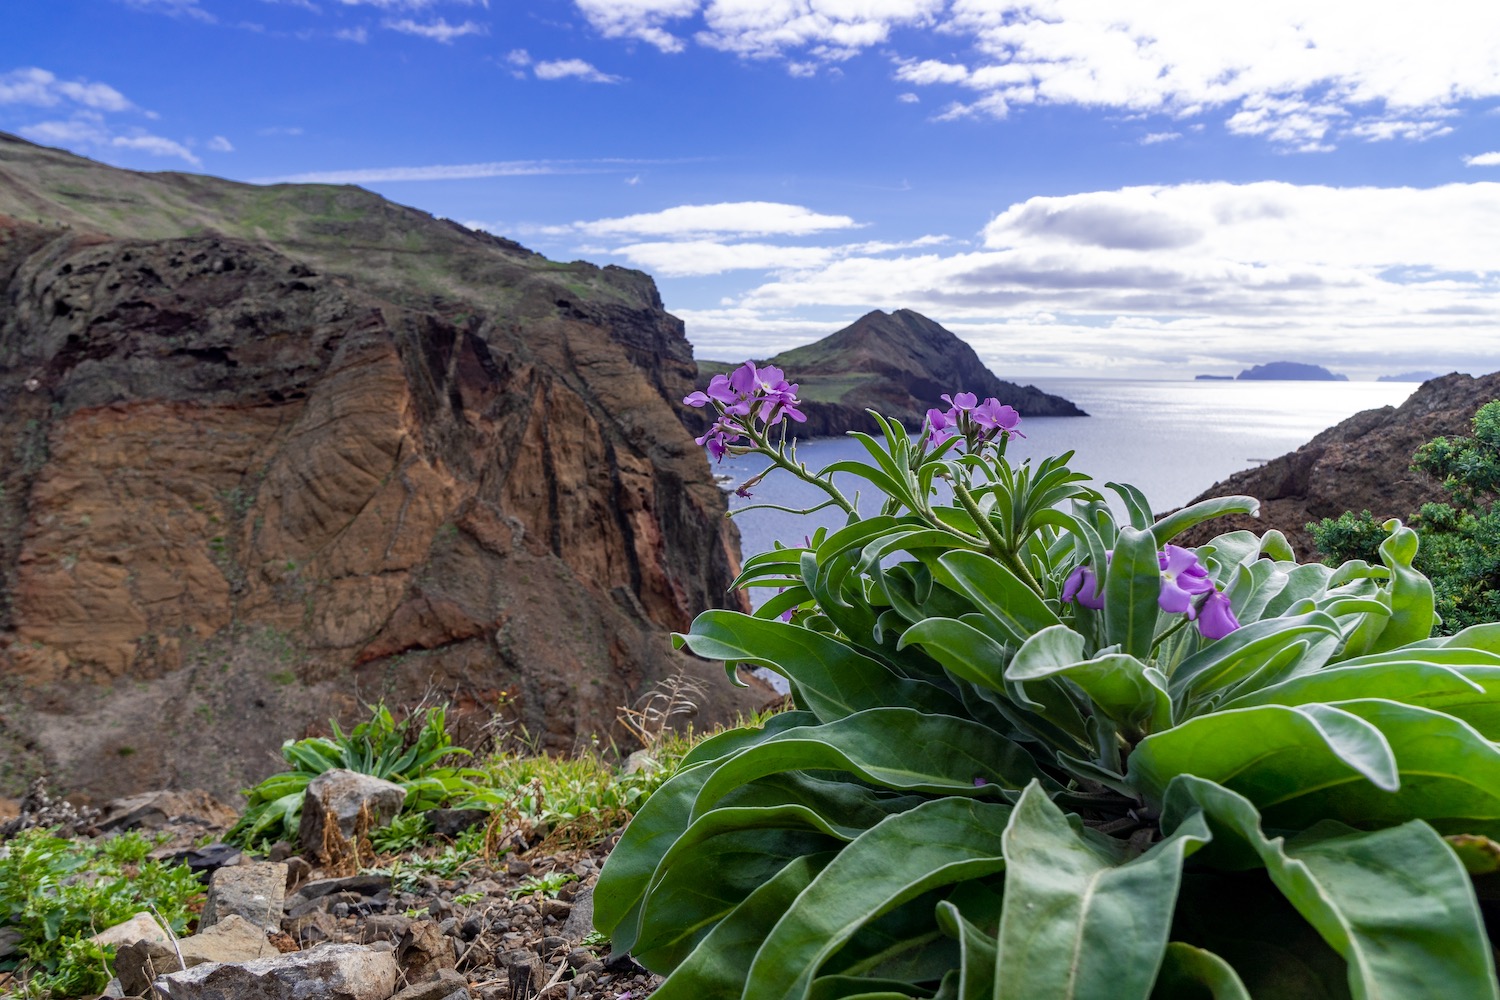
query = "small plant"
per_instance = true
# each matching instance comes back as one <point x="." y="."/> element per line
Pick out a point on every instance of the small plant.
<point x="57" y="893"/>
<point x="406" y="832"/>
<point x="467" y="898"/>
<point x="1039" y="750"/>
<point x="409" y="753"/>
<point x="546" y="885"/>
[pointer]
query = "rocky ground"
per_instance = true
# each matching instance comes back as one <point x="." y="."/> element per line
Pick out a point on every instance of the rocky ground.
<point x="514" y="924"/>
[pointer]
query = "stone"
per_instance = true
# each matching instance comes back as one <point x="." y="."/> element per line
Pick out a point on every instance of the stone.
<point x="10" y="942"/>
<point x="334" y="972"/>
<point x="311" y="928"/>
<point x="452" y="822"/>
<point x="141" y="927"/>
<point x="524" y="972"/>
<point x="384" y="927"/>
<point x="446" y="984"/>
<point x="424" y="950"/>
<point x="580" y="922"/>
<point x="345" y="805"/>
<point x="232" y="939"/>
<point x="155" y="809"/>
<point x="255" y="891"/>
<point x="205" y="860"/>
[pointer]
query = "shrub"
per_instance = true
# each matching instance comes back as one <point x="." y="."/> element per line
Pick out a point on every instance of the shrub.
<point x="1460" y="550"/>
<point x="1044" y="752"/>
<point x="406" y="752"/>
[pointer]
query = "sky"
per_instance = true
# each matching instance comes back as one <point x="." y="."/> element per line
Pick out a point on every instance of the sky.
<point x="1115" y="188"/>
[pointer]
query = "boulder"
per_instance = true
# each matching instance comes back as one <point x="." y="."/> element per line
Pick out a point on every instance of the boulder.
<point x="341" y="805"/>
<point x="335" y="972"/>
<point x="447" y="985"/>
<point x="232" y="939"/>
<point x="141" y="927"/>
<point x="424" y="951"/>
<point x="256" y="891"/>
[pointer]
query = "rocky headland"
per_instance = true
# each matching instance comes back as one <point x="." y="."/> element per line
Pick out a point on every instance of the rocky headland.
<point x="271" y="452"/>
<point x="899" y="363"/>
<point x="1293" y="371"/>
<point x="1360" y="464"/>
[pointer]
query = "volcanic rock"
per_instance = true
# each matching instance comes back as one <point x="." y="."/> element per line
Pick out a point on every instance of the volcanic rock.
<point x="265" y="447"/>
<point x="1363" y="463"/>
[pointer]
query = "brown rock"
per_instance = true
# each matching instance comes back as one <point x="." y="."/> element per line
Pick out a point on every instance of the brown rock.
<point x="233" y="939"/>
<point x="424" y="950"/>
<point x="154" y="810"/>
<point x="1363" y="463"/>
<point x="258" y="470"/>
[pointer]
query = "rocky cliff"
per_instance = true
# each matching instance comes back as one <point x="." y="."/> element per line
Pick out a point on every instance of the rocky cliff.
<point x="898" y="363"/>
<point x="269" y="452"/>
<point x="1360" y="464"/>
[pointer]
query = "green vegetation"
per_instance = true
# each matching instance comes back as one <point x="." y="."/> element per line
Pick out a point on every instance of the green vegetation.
<point x="409" y="753"/>
<point x="1460" y="549"/>
<point x="1038" y="750"/>
<point x="58" y="893"/>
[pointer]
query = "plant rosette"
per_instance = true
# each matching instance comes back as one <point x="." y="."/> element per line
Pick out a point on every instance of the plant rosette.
<point x="1039" y="750"/>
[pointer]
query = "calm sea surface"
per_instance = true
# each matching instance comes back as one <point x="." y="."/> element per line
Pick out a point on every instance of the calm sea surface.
<point x="1173" y="440"/>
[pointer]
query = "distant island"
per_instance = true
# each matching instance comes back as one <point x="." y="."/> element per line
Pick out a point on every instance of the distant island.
<point x="1214" y="378"/>
<point x="1409" y="377"/>
<point x="1290" y="371"/>
<point x="899" y="363"/>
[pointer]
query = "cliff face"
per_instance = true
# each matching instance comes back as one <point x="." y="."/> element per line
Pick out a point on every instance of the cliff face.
<point x="250" y="483"/>
<point x="899" y="363"/>
<point x="1360" y="464"/>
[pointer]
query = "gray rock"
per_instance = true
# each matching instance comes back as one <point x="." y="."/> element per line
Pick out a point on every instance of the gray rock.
<point x="447" y="984"/>
<point x="334" y="804"/>
<point x="256" y="891"/>
<point x="232" y="939"/>
<point x="524" y="971"/>
<point x="336" y="972"/>
<point x="154" y="810"/>
<point x="424" y="951"/>
<point x="580" y="922"/>
<point x="452" y="822"/>
<point x="10" y="941"/>
<point x="141" y="927"/>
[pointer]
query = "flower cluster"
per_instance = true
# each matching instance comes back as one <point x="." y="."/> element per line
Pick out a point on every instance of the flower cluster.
<point x="1183" y="580"/>
<point x="976" y="422"/>
<point x="744" y="396"/>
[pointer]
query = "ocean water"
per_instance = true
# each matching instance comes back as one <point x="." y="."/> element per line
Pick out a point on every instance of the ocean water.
<point x="1172" y="440"/>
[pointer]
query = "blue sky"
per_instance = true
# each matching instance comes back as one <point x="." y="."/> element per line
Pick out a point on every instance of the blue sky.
<point x="1146" y="188"/>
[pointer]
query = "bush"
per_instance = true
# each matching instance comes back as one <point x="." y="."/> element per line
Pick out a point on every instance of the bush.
<point x="1044" y="752"/>
<point x="1460" y="550"/>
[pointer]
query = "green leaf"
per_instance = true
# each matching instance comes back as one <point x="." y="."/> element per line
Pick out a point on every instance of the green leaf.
<point x="940" y="842"/>
<point x="966" y="652"/>
<point x="1131" y="589"/>
<point x="1179" y="521"/>
<point x="1188" y="973"/>
<point x="976" y="971"/>
<point x="1395" y="903"/>
<point x="1079" y="919"/>
<point x="1246" y="651"/>
<point x="717" y="967"/>
<point x="1136" y="503"/>
<point x="1131" y="693"/>
<point x="834" y="679"/>
<point x="996" y="592"/>
<point x="1271" y="754"/>
<point x="896" y="748"/>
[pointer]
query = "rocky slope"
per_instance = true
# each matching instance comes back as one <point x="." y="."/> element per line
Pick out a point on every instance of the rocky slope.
<point x="1360" y="464"/>
<point x="273" y="451"/>
<point x="899" y="363"/>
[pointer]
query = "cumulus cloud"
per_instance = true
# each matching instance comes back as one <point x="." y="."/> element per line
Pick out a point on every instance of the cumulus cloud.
<point x="642" y="20"/>
<point x="439" y="30"/>
<point x="561" y="69"/>
<point x="38" y="87"/>
<point x="737" y="218"/>
<point x="698" y="257"/>
<point x="1483" y="160"/>
<point x="219" y="144"/>
<point x="91" y="132"/>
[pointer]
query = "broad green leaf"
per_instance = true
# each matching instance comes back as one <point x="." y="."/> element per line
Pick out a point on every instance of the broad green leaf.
<point x="1179" y="521"/>
<point x="1079" y="919"/>
<point x="1136" y="503"/>
<point x="976" y="971"/>
<point x="966" y="652"/>
<point x="1307" y="582"/>
<point x="1409" y="598"/>
<point x="1271" y="754"/>
<point x="1233" y="548"/>
<point x="1395" y="903"/>
<point x="731" y="741"/>
<point x="1131" y="589"/>
<point x="1247" y="650"/>
<point x="858" y="988"/>
<point x="1131" y="693"/>
<point x="716" y="968"/>
<point x="902" y="944"/>
<point x="996" y="592"/>
<point x="896" y="748"/>
<point x="834" y="679"/>
<point x="693" y="890"/>
<point x="1189" y="973"/>
<point x="941" y="842"/>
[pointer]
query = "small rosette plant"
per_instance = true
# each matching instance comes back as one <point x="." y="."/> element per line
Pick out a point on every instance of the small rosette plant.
<point x="1039" y="750"/>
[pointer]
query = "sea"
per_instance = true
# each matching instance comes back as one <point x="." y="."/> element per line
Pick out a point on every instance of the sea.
<point x="1170" y="439"/>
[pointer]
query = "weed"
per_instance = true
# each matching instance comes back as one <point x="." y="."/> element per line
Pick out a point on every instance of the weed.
<point x="547" y="884"/>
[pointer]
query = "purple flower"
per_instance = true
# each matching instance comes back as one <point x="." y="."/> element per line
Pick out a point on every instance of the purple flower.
<point x="961" y="401"/>
<point x="996" y="417"/>
<point x="942" y="426"/>
<point x="1216" y="617"/>
<point x="1083" y="585"/>
<point x="718" y="439"/>
<point x="1182" y="578"/>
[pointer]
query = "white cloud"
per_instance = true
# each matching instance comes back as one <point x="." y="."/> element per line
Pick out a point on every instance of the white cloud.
<point x="642" y="20"/>
<point x="277" y="130"/>
<point x="219" y="144"/>
<point x="826" y="29"/>
<point x="1152" y="138"/>
<point x="738" y="218"/>
<point x="1483" y="160"/>
<point x="358" y="36"/>
<point x="908" y="98"/>
<point x="90" y="132"/>
<point x="439" y="30"/>
<point x="560" y="69"/>
<point x="31" y="85"/>
<point x="439" y="172"/>
<point x="685" y="258"/>
<point x="174" y="8"/>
